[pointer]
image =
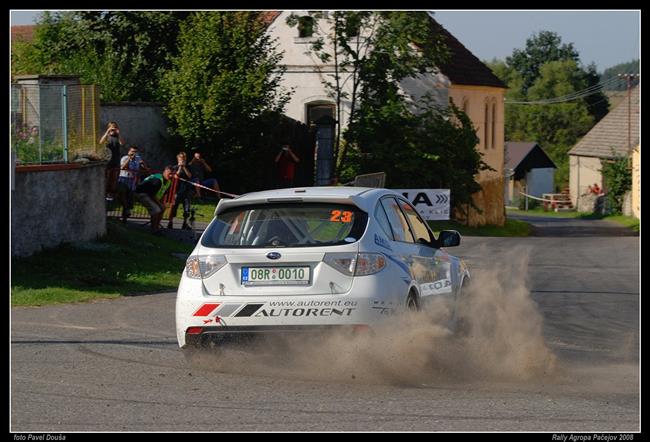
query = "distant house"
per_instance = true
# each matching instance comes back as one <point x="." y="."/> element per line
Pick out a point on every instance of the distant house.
<point x="607" y="140"/>
<point x="528" y="170"/>
<point x="464" y="79"/>
<point x="23" y="33"/>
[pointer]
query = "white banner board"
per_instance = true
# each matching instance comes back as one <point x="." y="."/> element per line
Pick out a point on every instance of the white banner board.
<point x="431" y="204"/>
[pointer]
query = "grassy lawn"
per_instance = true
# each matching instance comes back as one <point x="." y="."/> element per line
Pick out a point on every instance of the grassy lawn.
<point x="540" y="212"/>
<point x="627" y="221"/>
<point x="125" y="261"/>
<point x="204" y="209"/>
<point x="511" y="228"/>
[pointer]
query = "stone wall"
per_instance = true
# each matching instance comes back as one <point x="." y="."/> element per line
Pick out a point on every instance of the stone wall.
<point x="54" y="204"/>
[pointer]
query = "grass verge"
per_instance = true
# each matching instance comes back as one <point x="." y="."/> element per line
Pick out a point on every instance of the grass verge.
<point x="512" y="227"/>
<point x="628" y="221"/>
<point x="125" y="261"/>
<point x="550" y="214"/>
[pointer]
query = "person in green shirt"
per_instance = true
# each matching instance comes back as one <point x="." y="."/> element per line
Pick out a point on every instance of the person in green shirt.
<point x="150" y="193"/>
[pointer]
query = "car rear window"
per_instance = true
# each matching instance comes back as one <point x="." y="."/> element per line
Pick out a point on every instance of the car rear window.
<point x="286" y="225"/>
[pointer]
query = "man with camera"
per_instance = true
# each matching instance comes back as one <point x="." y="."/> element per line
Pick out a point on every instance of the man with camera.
<point x="130" y="166"/>
<point x="113" y="141"/>
<point x="286" y="161"/>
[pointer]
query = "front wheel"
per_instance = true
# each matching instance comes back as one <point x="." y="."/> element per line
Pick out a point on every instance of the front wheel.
<point x="460" y="324"/>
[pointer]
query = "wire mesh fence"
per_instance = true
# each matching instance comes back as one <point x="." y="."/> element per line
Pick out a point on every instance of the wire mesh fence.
<point x="54" y="123"/>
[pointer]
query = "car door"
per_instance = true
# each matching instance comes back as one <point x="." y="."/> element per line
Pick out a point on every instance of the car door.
<point x="431" y="266"/>
<point x="402" y="242"/>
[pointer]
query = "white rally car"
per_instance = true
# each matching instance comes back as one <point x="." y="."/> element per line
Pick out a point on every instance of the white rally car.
<point x="309" y="258"/>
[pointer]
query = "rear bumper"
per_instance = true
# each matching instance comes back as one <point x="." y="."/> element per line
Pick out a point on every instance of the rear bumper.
<point x="243" y="334"/>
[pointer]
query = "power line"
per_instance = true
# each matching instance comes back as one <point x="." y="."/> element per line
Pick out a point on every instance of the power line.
<point x="595" y="89"/>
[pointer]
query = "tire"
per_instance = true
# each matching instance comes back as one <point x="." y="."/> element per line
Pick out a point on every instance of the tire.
<point x="460" y="324"/>
<point x="412" y="302"/>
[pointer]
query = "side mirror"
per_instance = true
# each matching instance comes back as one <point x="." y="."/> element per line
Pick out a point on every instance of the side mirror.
<point x="449" y="238"/>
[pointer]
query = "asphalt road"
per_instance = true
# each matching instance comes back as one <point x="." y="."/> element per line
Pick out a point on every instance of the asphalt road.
<point x="115" y="365"/>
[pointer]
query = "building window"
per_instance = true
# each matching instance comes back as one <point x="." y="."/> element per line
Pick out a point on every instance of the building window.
<point x="317" y="111"/>
<point x="494" y="125"/>
<point x="486" y="127"/>
<point x="305" y="26"/>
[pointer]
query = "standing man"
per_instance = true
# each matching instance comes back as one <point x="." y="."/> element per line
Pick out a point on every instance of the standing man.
<point x="200" y="169"/>
<point x="286" y="161"/>
<point x="130" y="166"/>
<point x="114" y="142"/>
<point x="150" y="193"/>
<point x="184" y="190"/>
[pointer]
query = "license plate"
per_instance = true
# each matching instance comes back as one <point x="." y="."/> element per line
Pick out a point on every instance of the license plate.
<point x="275" y="275"/>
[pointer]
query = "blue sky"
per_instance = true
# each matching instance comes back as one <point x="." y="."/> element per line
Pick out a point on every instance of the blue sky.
<point x="603" y="37"/>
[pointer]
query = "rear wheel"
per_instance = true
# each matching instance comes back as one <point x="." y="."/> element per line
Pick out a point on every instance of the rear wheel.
<point x="412" y="302"/>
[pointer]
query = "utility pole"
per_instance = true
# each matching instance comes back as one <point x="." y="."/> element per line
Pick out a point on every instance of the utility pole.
<point x="629" y="78"/>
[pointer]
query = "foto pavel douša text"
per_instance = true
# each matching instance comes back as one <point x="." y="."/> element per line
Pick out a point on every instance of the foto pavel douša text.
<point x="39" y="436"/>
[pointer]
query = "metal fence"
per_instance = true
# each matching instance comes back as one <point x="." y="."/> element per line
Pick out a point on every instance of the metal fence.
<point x="138" y="211"/>
<point x="55" y="123"/>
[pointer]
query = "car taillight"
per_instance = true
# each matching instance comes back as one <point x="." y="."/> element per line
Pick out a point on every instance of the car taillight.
<point x="356" y="264"/>
<point x="194" y="330"/>
<point x="369" y="263"/>
<point x="203" y="266"/>
<point x="343" y="262"/>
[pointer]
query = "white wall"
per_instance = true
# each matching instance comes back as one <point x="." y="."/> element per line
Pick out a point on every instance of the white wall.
<point x="583" y="172"/>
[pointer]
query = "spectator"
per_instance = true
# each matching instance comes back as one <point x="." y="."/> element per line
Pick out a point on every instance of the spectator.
<point x="130" y="166"/>
<point x="113" y="141"/>
<point x="151" y="192"/>
<point x="595" y="189"/>
<point x="200" y="169"/>
<point x="286" y="161"/>
<point x="34" y="137"/>
<point x="184" y="191"/>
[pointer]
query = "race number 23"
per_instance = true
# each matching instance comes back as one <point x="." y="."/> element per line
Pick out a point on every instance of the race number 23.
<point x="344" y="216"/>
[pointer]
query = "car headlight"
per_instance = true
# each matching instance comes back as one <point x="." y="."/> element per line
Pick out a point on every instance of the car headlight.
<point x="203" y="266"/>
<point x="356" y="264"/>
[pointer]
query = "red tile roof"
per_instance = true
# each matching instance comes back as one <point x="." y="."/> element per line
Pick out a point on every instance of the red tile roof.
<point x="22" y="33"/>
<point x="268" y="17"/>
<point x="463" y="67"/>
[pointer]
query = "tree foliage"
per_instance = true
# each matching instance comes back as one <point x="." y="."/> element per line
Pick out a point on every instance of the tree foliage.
<point x="617" y="176"/>
<point x="548" y="69"/>
<point x="371" y="52"/>
<point x="223" y="89"/>
<point x="124" y="52"/>
<point x="631" y="67"/>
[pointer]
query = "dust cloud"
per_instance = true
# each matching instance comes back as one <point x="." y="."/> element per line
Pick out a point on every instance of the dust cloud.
<point x="494" y="334"/>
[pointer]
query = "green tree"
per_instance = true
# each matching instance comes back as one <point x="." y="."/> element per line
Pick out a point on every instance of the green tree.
<point x="547" y="46"/>
<point x="124" y="52"/>
<point x="223" y="90"/>
<point x="541" y="48"/>
<point x="371" y="51"/>
<point x="617" y="176"/>
<point x="556" y="127"/>
<point x="631" y="67"/>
